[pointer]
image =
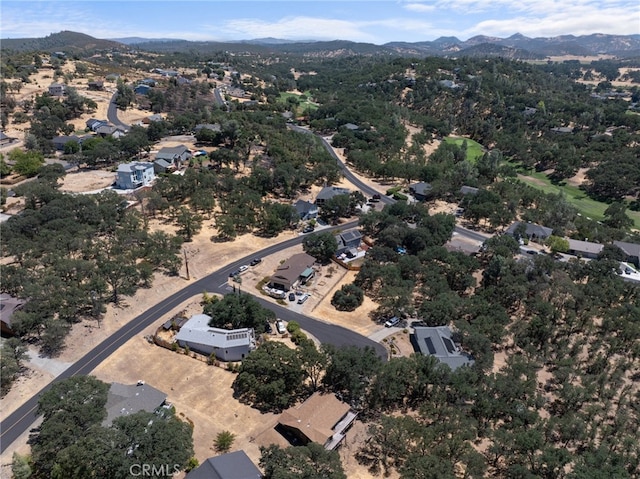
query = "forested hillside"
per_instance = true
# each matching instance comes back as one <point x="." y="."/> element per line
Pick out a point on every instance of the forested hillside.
<point x="553" y="391"/>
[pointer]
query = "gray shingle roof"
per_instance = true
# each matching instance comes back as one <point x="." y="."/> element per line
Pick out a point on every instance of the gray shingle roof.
<point x="531" y="229"/>
<point x="235" y="465"/>
<point x="329" y="192"/>
<point x="124" y="399"/>
<point x="437" y="342"/>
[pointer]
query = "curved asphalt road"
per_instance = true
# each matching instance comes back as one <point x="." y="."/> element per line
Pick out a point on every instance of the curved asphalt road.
<point x="112" y="113"/>
<point x="20" y="420"/>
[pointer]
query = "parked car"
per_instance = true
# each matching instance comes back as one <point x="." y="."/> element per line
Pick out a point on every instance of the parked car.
<point x="391" y="322"/>
<point x="255" y="261"/>
<point x="234" y="273"/>
<point x="292" y="296"/>
<point x="308" y="229"/>
<point x="280" y="327"/>
<point x="267" y="327"/>
<point x="243" y="268"/>
<point x="303" y="298"/>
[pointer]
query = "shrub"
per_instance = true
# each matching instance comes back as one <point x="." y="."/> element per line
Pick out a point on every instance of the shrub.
<point x="347" y="298"/>
<point x="293" y="326"/>
<point x="224" y="441"/>
<point x="298" y="336"/>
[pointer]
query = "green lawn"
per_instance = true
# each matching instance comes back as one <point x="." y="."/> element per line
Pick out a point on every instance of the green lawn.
<point x="474" y="149"/>
<point x="304" y="104"/>
<point x="578" y="198"/>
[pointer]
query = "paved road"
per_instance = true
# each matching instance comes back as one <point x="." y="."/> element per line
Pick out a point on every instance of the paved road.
<point x="19" y="421"/>
<point x="369" y="191"/>
<point x="112" y="113"/>
<point x="16" y="423"/>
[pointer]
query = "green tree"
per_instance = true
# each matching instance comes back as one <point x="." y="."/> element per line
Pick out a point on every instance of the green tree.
<point x="224" y="441"/>
<point x="351" y="371"/>
<point x="12" y="356"/>
<point x="347" y="298"/>
<point x="311" y="462"/>
<point x="557" y="244"/>
<point x="190" y="223"/>
<point x="271" y="377"/>
<point x="322" y="246"/>
<point x="235" y="311"/>
<point x="21" y="466"/>
<point x="26" y="163"/>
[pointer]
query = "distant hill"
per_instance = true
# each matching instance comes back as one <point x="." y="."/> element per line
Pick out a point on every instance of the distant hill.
<point x="66" y="41"/>
<point x="516" y="46"/>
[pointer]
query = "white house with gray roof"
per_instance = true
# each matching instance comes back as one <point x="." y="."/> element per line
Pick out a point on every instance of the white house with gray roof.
<point x="438" y="342"/>
<point x="227" y="345"/>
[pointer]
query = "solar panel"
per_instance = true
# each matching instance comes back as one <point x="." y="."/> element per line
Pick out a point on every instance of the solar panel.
<point x="430" y="346"/>
<point x="449" y="345"/>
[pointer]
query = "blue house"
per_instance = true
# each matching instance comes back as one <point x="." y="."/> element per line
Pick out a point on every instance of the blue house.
<point x="133" y="175"/>
<point x="142" y="89"/>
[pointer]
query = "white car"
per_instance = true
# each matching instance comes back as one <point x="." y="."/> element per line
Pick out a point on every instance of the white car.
<point x="243" y="268"/>
<point x="303" y="298"/>
<point x="280" y="327"/>
<point x="392" y="322"/>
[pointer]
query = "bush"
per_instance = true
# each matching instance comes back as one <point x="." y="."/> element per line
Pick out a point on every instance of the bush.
<point x="224" y="441"/>
<point x="298" y="336"/>
<point x="293" y="326"/>
<point x="348" y="298"/>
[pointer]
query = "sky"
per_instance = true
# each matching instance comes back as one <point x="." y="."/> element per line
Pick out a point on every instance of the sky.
<point x="371" y="21"/>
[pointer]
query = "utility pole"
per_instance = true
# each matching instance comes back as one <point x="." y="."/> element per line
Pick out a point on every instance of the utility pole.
<point x="186" y="263"/>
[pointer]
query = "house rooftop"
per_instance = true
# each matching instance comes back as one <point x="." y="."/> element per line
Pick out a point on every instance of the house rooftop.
<point x="530" y="229"/>
<point x="197" y="330"/>
<point x="136" y="165"/>
<point x="437" y="342"/>
<point x="584" y="246"/>
<point x="235" y="465"/>
<point x="316" y="417"/>
<point x="123" y="400"/>
<point x="329" y="192"/>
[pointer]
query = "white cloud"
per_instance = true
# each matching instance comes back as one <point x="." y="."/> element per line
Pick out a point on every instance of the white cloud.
<point x="296" y="28"/>
<point x="419" y="7"/>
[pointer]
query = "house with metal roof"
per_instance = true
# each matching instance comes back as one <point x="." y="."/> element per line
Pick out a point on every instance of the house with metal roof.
<point x="296" y="270"/>
<point x="438" y="342"/>
<point x="133" y="175"/>
<point x="235" y="465"/>
<point x="322" y="419"/>
<point x="226" y="344"/>
<point x="329" y="192"/>
<point x="528" y="230"/>
<point x="124" y="399"/>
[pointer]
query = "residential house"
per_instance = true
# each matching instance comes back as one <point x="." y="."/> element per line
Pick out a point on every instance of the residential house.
<point x="329" y="192"/>
<point x="207" y="126"/>
<point x="420" y="191"/>
<point x="226" y="344"/>
<point x="532" y="231"/>
<point x="95" y="85"/>
<point x="631" y="250"/>
<point x="59" y="142"/>
<point x="306" y="210"/>
<point x="57" y="89"/>
<point x="148" y="81"/>
<point x="351" y="126"/>
<point x="296" y="270"/>
<point x="349" y="242"/>
<point x="235" y="465"/>
<point x="584" y="249"/>
<point x="438" y="342"/>
<point x="93" y="124"/>
<point x="134" y="175"/>
<point x="110" y="130"/>
<point x="163" y="166"/>
<point x="142" y="89"/>
<point x="8" y="306"/>
<point x="174" y="154"/>
<point x="562" y="130"/>
<point x="125" y="399"/>
<point x="4" y="139"/>
<point x="152" y="118"/>
<point x="468" y="190"/>
<point x="322" y="419"/>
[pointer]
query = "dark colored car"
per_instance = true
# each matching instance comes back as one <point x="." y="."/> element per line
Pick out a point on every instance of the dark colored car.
<point x="255" y="261"/>
<point x="268" y="328"/>
<point x="308" y="229"/>
<point x="292" y="296"/>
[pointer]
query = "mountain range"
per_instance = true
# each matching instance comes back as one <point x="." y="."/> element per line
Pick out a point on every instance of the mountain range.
<point x="515" y="46"/>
